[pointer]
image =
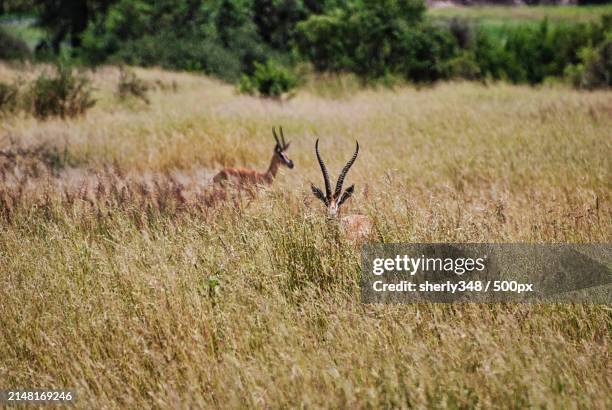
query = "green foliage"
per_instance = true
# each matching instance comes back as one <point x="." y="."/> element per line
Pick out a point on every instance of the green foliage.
<point x="8" y="97"/>
<point x="61" y="93"/>
<point x="230" y="16"/>
<point x="67" y="19"/>
<point x="424" y="54"/>
<point x="218" y="38"/>
<point x="378" y="39"/>
<point x="595" y="68"/>
<point x="530" y="53"/>
<point x="321" y="39"/>
<point x="374" y="39"/>
<point x="364" y="36"/>
<point x="169" y="51"/>
<point x="276" y="20"/>
<point x="12" y="48"/>
<point x="268" y="80"/>
<point x="125" y="21"/>
<point x="464" y="66"/>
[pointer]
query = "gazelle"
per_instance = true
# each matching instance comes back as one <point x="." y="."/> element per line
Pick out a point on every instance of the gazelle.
<point x="243" y="177"/>
<point x="356" y="227"/>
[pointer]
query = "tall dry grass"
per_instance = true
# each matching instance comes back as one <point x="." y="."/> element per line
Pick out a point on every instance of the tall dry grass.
<point x="125" y="278"/>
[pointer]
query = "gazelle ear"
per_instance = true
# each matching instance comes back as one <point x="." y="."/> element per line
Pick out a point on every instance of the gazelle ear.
<point x="286" y="147"/>
<point x="319" y="194"/>
<point x="346" y="194"/>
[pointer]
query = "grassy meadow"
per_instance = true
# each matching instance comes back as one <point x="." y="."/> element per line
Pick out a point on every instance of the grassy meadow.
<point x="122" y="279"/>
<point x="513" y="14"/>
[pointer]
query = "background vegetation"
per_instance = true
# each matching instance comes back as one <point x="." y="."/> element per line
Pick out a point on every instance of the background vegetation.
<point x="386" y="40"/>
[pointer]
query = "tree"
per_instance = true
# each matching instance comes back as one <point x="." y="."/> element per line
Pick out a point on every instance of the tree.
<point x="67" y="18"/>
<point x="363" y="36"/>
<point x="276" y="20"/>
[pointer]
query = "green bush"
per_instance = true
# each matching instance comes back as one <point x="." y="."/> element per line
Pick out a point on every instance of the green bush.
<point x="171" y="52"/>
<point x="424" y="53"/>
<point x="377" y="40"/>
<point x="217" y="38"/>
<point x="62" y="94"/>
<point x="366" y="36"/>
<point x="8" y="97"/>
<point x="275" y="20"/>
<point x="529" y="53"/>
<point x="12" y="48"/>
<point x="125" y="21"/>
<point x="595" y="69"/>
<point x="269" y="80"/>
<point x="322" y="40"/>
<point x="464" y="66"/>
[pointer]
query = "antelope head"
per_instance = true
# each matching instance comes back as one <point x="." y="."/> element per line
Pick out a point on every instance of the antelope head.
<point x="334" y="200"/>
<point x="280" y="148"/>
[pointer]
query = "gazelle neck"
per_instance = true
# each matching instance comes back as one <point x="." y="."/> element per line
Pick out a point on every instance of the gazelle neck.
<point x="273" y="168"/>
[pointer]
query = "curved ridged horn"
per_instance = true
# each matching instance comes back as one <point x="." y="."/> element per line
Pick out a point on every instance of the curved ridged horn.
<point x="276" y="137"/>
<point x="345" y="170"/>
<point x="282" y="137"/>
<point x="324" y="171"/>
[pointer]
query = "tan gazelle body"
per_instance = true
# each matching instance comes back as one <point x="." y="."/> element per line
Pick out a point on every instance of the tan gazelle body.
<point x="245" y="177"/>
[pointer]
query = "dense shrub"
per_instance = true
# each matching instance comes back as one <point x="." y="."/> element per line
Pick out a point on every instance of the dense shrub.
<point x="370" y="38"/>
<point x="61" y="93"/>
<point x="125" y="21"/>
<point x="276" y="20"/>
<point x="12" y="48"/>
<point x="169" y="51"/>
<point x="595" y="69"/>
<point x="216" y="38"/>
<point x="464" y="66"/>
<point x="537" y="52"/>
<point x="268" y="80"/>
<point x="424" y="54"/>
<point x="322" y="40"/>
<point x="531" y="53"/>
<point x="374" y="39"/>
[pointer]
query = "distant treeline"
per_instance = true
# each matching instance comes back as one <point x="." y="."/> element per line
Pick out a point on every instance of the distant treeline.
<point x="372" y="38"/>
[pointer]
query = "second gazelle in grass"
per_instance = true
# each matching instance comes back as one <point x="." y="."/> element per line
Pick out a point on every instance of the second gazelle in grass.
<point x="244" y="177"/>
<point x="356" y="227"/>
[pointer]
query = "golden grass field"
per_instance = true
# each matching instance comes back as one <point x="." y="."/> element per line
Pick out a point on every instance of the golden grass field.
<point x="512" y="14"/>
<point x="122" y="281"/>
